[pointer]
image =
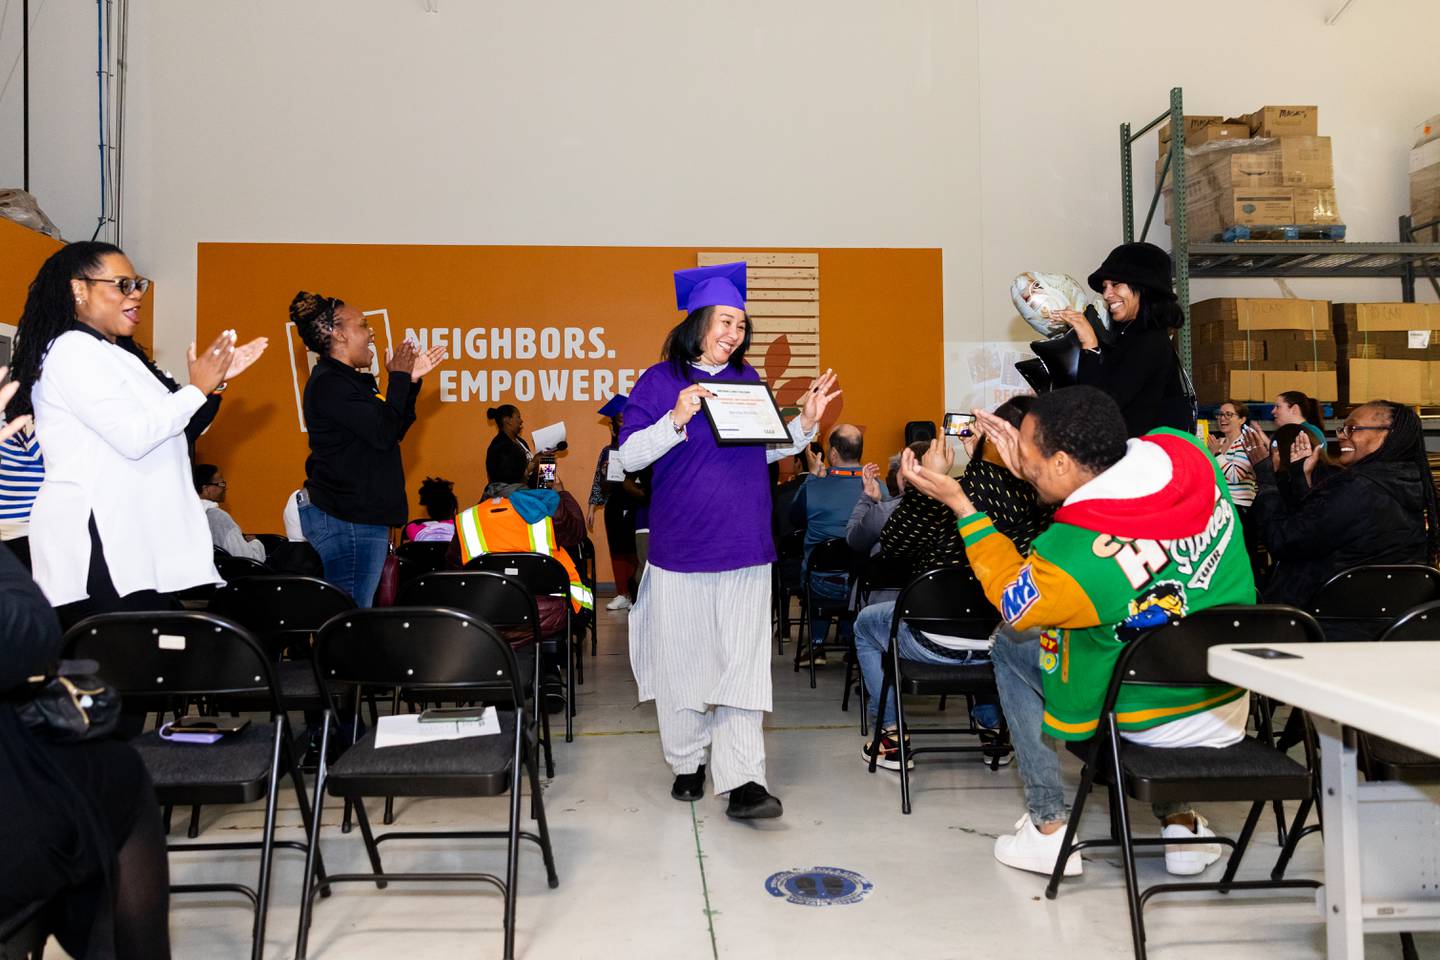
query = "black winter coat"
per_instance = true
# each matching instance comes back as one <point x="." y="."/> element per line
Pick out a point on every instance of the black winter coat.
<point x="1140" y="370"/>
<point x="1370" y="513"/>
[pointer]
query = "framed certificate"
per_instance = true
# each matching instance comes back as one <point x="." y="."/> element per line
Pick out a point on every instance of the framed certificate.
<point x="744" y="411"/>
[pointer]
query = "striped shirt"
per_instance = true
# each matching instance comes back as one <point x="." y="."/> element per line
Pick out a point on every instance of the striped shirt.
<point x="22" y="470"/>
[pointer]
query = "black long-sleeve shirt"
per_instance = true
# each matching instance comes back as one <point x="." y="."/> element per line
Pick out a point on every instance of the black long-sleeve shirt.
<point x="354" y="471"/>
<point x="1140" y="370"/>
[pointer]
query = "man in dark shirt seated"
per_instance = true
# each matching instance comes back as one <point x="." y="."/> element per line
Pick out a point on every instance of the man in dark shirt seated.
<point x="823" y="507"/>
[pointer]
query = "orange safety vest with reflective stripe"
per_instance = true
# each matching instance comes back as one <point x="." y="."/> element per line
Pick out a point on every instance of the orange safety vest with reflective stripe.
<point x="494" y="526"/>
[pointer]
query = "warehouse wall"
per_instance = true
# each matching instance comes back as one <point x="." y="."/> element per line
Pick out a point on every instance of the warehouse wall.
<point x="987" y="129"/>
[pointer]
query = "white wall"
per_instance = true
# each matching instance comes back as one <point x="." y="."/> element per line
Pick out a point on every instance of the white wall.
<point x="986" y="128"/>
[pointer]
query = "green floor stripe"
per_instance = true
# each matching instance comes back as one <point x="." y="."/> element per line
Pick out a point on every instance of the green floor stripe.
<point x="704" y="886"/>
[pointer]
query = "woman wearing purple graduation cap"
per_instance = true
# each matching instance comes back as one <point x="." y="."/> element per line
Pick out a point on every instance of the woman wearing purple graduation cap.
<point x="700" y="629"/>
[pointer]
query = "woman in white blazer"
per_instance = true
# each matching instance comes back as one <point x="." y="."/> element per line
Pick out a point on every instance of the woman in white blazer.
<point x="117" y="524"/>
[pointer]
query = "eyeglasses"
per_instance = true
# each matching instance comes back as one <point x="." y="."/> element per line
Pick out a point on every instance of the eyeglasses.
<point x="1225" y="415"/>
<point x="217" y="483"/>
<point x="127" y="285"/>
<point x="1347" y="429"/>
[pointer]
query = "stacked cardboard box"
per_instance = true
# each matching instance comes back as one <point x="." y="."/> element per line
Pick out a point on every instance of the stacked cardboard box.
<point x="1425" y="182"/>
<point x="1253" y="349"/>
<point x="1388" y="351"/>
<point x="1281" y="175"/>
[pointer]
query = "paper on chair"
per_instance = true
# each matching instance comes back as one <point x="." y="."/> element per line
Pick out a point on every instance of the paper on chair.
<point x="548" y="438"/>
<point x="406" y="728"/>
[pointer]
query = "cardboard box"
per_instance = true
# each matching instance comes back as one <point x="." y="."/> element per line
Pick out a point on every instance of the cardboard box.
<point x="1427" y="131"/>
<point x="1260" y="207"/>
<point x="1285" y="121"/>
<point x="1234" y="314"/>
<point x="1287" y="162"/>
<point x="1217" y="383"/>
<point x="1316" y="207"/>
<point x="1387" y="331"/>
<point x="1401" y="381"/>
<point x="1255" y="348"/>
<point x="1425" y="188"/>
<point x="1192" y="126"/>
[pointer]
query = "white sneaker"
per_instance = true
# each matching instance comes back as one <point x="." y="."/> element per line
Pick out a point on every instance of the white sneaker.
<point x="1191" y="858"/>
<point x="621" y="602"/>
<point x="1029" y="849"/>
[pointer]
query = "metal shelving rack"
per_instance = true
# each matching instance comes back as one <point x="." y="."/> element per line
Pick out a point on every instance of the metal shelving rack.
<point x="1404" y="261"/>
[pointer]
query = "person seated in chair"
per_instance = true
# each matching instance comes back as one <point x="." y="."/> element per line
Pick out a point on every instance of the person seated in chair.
<point x="822" y="507"/>
<point x="1145" y="533"/>
<point x="1380" y="508"/>
<point x="224" y="531"/>
<point x="875" y="507"/>
<point x="922" y="531"/>
<point x="437" y="496"/>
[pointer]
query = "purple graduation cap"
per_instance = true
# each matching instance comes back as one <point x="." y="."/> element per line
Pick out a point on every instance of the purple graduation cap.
<point x="614" y="405"/>
<point x="722" y="285"/>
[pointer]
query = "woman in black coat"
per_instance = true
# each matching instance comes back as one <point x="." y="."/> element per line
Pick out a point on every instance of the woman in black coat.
<point x="509" y="459"/>
<point x="1135" y="362"/>
<point x="1379" y="509"/>
<point x="81" y="828"/>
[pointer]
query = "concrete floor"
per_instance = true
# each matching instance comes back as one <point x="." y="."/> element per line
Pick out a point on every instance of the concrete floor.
<point x="644" y="876"/>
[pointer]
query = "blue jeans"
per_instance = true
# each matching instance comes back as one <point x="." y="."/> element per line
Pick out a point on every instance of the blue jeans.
<point x="828" y="589"/>
<point x="1022" y="697"/>
<point x="872" y="640"/>
<point x="353" y="553"/>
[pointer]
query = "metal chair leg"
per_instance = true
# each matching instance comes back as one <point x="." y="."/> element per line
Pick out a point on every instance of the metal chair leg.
<point x="372" y="850"/>
<point x="194" y="830"/>
<point x="1238" y="853"/>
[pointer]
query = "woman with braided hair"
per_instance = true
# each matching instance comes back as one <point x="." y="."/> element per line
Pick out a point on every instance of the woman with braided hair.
<point x="117" y="524"/>
<point x="354" y="480"/>
<point x="1380" y="508"/>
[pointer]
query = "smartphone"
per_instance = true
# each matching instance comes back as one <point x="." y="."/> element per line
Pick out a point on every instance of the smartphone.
<point x="194" y="724"/>
<point x="1268" y="653"/>
<point x="547" y="474"/>
<point x="453" y="714"/>
<point x="959" y="425"/>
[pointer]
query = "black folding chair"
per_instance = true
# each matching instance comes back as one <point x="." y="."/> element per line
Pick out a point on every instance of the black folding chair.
<point x="161" y="657"/>
<point x="831" y="559"/>
<point x="948" y="601"/>
<point x="1383" y="759"/>
<point x="507" y="606"/>
<point x="1360" y="603"/>
<point x="420" y="557"/>
<point x="441" y="652"/>
<point x="1252" y="770"/>
<point x="871" y="575"/>
<point x="788" y="582"/>
<point x="543" y="576"/>
<point x="238" y="568"/>
<point x="587" y="562"/>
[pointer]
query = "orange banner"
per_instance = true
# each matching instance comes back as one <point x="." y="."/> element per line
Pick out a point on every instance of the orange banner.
<point x="555" y="331"/>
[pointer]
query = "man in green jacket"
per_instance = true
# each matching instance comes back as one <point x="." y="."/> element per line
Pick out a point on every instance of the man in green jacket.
<point x="1145" y="533"/>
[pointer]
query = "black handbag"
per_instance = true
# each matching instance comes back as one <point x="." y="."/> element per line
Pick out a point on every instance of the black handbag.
<point x="72" y="705"/>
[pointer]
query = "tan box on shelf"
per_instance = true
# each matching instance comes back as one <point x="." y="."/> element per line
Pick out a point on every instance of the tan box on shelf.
<point x="1401" y="381"/>
<point x="1234" y="314"/>
<point x="1388" y="331"/>
<point x="1192" y="126"/>
<point x="1218" y="383"/>
<point x="1284" y="162"/>
<point x="1425" y="187"/>
<point x="1285" y="121"/>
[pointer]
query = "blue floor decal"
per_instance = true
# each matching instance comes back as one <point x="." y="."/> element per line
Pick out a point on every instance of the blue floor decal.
<point x="818" y="886"/>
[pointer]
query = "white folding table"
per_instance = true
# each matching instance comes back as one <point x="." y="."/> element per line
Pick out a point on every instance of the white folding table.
<point x="1382" y="840"/>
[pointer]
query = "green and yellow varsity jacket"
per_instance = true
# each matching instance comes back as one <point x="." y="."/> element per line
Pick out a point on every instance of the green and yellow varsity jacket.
<point x="1150" y="540"/>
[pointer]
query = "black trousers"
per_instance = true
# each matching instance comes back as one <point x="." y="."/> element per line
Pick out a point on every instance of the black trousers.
<point x="104" y="598"/>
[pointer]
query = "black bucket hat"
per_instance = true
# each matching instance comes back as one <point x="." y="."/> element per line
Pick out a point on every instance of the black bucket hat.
<point x="1141" y="265"/>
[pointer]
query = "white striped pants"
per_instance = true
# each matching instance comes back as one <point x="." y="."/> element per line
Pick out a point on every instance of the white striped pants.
<point x="700" y="647"/>
<point x="735" y="737"/>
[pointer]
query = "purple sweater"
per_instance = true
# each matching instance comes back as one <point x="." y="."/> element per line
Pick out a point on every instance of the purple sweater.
<point x="710" y="505"/>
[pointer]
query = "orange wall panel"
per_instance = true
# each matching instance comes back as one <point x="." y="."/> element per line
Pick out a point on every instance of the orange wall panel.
<point x="880" y="329"/>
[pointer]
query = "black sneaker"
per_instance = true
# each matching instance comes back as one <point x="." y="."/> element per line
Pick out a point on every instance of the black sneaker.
<point x="689" y="786"/>
<point x="750" y="801"/>
<point x="889" y="752"/>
